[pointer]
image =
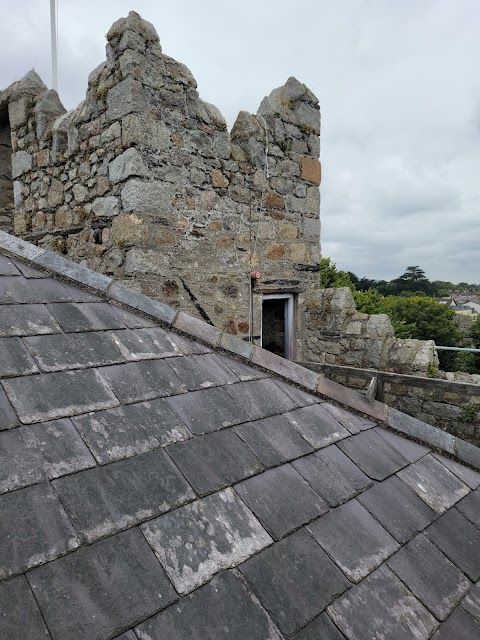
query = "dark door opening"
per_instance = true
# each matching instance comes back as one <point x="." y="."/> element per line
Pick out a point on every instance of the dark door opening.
<point x="6" y="182"/>
<point x="277" y="324"/>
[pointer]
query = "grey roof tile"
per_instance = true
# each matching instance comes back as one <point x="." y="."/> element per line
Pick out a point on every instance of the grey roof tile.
<point x="430" y="576"/>
<point x="202" y="371"/>
<point x="207" y="410"/>
<point x="471" y="602"/>
<point x="33" y="529"/>
<point x="28" y="271"/>
<point x="7" y="267"/>
<point x="204" y="537"/>
<point x="459" y="539"/>
<point x="242" y="370"/>
<point x="101" y="590"/>
<point x="26" y="320"/>
<point x="232" y="611"/>
<point x="73" y="351"/>
<point x="20" y="617"/>
<point x="281" y="499"/>
<point x="470" y="477"/>
<point x="274" y="440"/>
<point x="317" y="426"/>
<point x="373" y="454"/>
<point x="86" y="316"/>
<point x="382" y="607"/>
<point x="128" y="635"/>
<point x="397" y="508"/>
<point x="34" y="453"/>
<point x="143" y="380"/>
<point x="214" y="461"/>
<point x="104" y="500"/>
<point x="19" y="290"/>
<point x="333" y="475"/>
<point x="8" y="417"/>
<point x="295" y="580"/>
<point x="260" y="398"/>
<point x="126" y="431"/>
<point x="16" y="361"/>
<point x="55" y="395"/>
<point x="300" y="397"/>
<point x="144" y="344"/>
<point x="439" y="488"/>
<point x="354" y="539"/>
<point x="459" y="626"/>
<point x="133" y="320"/>
<point x="351" y="421"/>
<point x="322" y="628"/>
<point x="470" y="507"/>
<point x="409" y="449"/>
<point x="189" y="347"/>
<point x="80" y="295"/>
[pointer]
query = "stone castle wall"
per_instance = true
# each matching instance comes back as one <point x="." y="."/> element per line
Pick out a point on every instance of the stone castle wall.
<point x="144" y="182"/>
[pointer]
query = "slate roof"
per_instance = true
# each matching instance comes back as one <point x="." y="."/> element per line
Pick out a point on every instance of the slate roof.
<point x="154" y="488"/>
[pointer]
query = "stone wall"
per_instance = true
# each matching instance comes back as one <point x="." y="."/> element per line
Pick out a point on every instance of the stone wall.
<point x="336" y="333"/>
<point x="144" y="182"/>
<point x="452" y="404"/>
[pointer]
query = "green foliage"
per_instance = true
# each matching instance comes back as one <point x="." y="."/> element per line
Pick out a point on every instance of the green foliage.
<point x="470" y="413"/>
<point x="474" y="333"/>
<point x="432" y="370"/>
<point x="331" y="277"/>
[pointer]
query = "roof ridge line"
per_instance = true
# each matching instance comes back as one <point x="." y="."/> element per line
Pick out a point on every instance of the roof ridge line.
<point x="311" y="381"/>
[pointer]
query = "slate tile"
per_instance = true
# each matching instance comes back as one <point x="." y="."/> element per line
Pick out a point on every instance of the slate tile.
<point x="317" y="426"/>
<point x="459" y="626"/>
<point x="470" y="477"/>
<point x="144" y="344"/>
<point x="33" y="529"/>
<point x="471" y="602"/>
<point x="295" y="580"/>
<point x="382" y="607"/>
<point x="470" y="507"/>
<point x="214" y="461"/>
<point x="203" y="371"/>
<point x="26" y="320"/>
<point x="16" y="361"/>
<point x="128" y="635"/>
<point x="65" y="267"/>
<point x="204" y="537"/>
<point x="20" y="290"/>
<point x="233" y="345"/>
<point x="260" y="398"/>
<point x="281" y="499"/>
<point x="349" y="420"/>
<point x="459" y="539"/>
<point x="8" y="417"/>
<point x="126" y="431"/>
<point x="118" y="577"/>
<point x="188" y="347"/>
<point x="430" y="576"/>
<point x="7" y="267"/>
<point x="143" y="380"/>
<point x="322" y="628"/>
<point x="80" y="295"/>
<point x="232" y="611"/>
<point x="274" y="440"/>
<point x="243" y="371"/>
<point x="104" y="500"/>
<point x="299" y="396"/>
<point x="56" y="395"/>
<point x="76" y="317"/>
<point x="133" y="320"/>
<point x="332" y="475"/>
<point x="144" y="304"/>
<point x="373" y="454"/>
<point x="409" y="449"/>
<point x="28" y="271"/>
<point x="397" y="508"/>
<point x="73" y="351"/>
<point x="20" y="617"/>
<point x="31" y="454"/>
<point x="430" y="480"/>
<point x="353" y="539"/>
<point x="207" y="410"/>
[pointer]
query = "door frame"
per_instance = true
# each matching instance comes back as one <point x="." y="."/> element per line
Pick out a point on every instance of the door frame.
<point x="289" y="319"/>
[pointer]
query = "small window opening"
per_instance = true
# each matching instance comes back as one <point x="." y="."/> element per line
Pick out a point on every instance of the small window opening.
<point x="277" y="324"/>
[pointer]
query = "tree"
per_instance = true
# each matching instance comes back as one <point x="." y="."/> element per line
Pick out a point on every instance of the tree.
<point x="474" y="333"/>
<point x="331" y="277"/>
<point x="414" y="279"/>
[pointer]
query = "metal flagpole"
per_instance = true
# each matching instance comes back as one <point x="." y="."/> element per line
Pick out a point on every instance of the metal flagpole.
<point x="53" y="25"/>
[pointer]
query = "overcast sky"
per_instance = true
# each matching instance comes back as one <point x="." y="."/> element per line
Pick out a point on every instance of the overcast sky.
<point x="399" y="89"/>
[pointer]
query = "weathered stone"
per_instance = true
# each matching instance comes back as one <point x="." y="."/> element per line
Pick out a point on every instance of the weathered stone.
<point x="154" y="197"/>
<point x="18" y="112"/>
<point x="129" y="163"/>
<point x="80" y="193"/>
<point x="311" y="171"/>
<point x="105" y="207"/>
<point x="21" y="163"/>
<point x="126" y="97"/>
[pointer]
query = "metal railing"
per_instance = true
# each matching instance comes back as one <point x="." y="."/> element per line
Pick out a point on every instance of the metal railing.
<point x="471" y="350"/>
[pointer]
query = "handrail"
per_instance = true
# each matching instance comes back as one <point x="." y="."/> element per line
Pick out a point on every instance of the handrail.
<point x="457" y="349"/>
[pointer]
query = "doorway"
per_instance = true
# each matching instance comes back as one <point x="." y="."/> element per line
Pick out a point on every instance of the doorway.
<point x="6" y="182"/>
<point x="278" y="324"/>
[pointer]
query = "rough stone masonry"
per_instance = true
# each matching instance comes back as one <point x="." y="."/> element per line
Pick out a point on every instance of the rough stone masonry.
<point x="144" y="182"/>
